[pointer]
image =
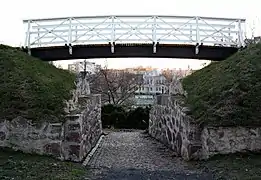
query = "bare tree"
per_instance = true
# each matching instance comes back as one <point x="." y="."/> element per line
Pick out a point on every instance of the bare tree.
<point x="168" y="74"/>
<point x="115" y="86"/>
<point x="253" y="30"/>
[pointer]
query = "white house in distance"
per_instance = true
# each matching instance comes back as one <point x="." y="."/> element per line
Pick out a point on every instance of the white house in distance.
<point x="153" y="83"/>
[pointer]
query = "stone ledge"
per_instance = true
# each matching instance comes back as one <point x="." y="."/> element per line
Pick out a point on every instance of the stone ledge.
<point x="89" y="156"/>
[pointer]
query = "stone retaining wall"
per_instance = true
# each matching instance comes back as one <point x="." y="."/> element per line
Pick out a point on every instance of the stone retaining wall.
<point x="224" y="140"/>
<point x="71" y="140"/>
<point x="170" y="124"/>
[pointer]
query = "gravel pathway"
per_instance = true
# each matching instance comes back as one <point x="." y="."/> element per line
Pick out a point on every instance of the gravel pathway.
<point x="135" y="156"/>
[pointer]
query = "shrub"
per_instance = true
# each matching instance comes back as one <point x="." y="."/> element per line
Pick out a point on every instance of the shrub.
<point x="117" y="116"/>
<point x="112" y="115"/>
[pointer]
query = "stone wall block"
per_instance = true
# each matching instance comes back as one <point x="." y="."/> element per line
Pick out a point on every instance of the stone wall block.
<point x="53" y="148"/>
<point x="75" y="152"/>
<point x="56" y="128"/>
<point x="2" y="135"/>
<point x="73" y="137"/>
<point x="20" y="122"/>
<point x="72" y="117"/>
<point x="33" y="135"/>
<point x="74" y="126"/>
<point x="84" y="101"/>
<point x="194" y="151"/>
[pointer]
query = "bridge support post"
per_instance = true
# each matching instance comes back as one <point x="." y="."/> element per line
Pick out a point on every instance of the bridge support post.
<point x="29" y="51"/>
<point x="70" y="49"/>
<point x="112" y="47"/>
<point x="154" y="48"/>
<point x="197" y="48"/>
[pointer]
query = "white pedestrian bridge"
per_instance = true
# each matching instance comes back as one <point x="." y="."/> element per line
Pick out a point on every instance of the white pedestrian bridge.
<point x="134" y="30"/>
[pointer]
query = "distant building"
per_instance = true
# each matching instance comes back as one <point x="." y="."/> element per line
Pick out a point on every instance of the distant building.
<point x="153" y="83"/>
<point x="77" y="67"/>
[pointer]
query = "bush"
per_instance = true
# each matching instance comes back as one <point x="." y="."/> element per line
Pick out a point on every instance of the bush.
<point x="112" y="115"/>
<point x="117" y="116"/>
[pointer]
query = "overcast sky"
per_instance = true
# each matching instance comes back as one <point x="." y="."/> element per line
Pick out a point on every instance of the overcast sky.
<point x="12" y="12"/>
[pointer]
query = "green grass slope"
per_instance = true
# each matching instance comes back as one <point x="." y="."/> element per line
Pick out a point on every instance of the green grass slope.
<point x="227" y="93"/>
<point x="20" y="166"/>
<point x="31" y="88"/>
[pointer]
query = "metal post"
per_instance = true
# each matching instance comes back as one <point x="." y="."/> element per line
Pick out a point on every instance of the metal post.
<point x="154" y="37"/>
<point x="70" y="36"/>
<point x="197" y="37"/>
<point x="239" y="34"/>
<point x="27" y="38"/>
<point x="197" y="29"/>
<point x="70" y="32"/>
<point x="39" y="44"/>
<point x="229" y="33"/>
<point x="245" y="32"/>
<point x="76" y="32"/>
<point x="70" y="49"/>
<point x="112" y="34"/>
<point x="191" y="33"/>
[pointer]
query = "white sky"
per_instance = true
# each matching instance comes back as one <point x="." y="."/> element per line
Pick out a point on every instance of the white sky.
<point x="12" y="12"/>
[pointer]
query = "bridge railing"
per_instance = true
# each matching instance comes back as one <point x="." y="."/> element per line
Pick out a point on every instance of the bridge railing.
<point x="135" y="29"/>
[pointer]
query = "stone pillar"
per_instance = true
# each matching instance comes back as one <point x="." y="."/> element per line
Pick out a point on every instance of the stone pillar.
<point x="72" y="138"/>
<point x="83" y="130"/>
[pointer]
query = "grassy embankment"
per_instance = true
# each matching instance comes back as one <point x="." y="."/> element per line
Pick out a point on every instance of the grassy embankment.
<point x="228" y="93"/>
<point x="32" y="88"/>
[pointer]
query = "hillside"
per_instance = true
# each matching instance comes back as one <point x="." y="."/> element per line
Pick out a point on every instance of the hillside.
<point x="227" y="93"/>
<point x="31" y="88"/>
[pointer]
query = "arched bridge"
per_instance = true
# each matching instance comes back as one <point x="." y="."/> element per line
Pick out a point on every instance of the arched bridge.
<point x="134" y="36"/>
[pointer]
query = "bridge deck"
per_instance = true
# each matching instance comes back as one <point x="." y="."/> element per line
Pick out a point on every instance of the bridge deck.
<point x="215" y="53"/>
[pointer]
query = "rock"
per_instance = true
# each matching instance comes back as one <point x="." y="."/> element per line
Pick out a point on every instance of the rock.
<point x="2" y="136"/>
<point x="53" y="148"/>
<point x="73" y="137"/>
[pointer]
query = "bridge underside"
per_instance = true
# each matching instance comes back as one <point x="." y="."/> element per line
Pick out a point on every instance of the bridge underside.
<point x="215" y="53"/>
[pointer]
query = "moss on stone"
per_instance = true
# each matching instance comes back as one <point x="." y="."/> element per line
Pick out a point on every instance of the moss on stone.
<point x="32" y="88"/>
<point x="227" y="93"/>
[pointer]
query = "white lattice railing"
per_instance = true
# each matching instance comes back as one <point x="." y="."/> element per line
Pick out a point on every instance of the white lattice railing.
<point x="135" y="29"/>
